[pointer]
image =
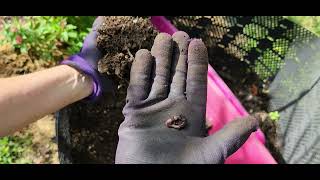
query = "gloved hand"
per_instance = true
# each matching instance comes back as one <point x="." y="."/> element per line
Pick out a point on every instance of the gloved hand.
<point x="86" y="61"/>
<point x="166" y="105"/>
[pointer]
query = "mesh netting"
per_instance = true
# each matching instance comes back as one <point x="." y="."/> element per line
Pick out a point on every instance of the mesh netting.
<point x="261" y="42"/>
<point x="295" y="93"/>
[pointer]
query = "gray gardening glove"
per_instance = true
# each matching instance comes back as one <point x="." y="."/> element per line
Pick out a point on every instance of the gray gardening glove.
<point x="166" y="105"/>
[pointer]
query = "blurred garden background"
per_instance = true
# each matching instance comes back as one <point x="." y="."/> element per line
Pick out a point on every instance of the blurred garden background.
<point x="28" y="44"/>
<point x="32" y="43"/>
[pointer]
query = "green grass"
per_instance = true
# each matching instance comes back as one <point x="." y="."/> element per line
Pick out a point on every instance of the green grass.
<point x="12" y="148"/>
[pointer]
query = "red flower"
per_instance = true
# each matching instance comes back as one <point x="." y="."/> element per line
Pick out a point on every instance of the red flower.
<point x="18" y="39"/>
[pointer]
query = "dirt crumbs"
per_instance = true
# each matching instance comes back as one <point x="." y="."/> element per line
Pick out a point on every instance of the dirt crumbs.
<point x="43" y="149"/>
<point x="120" y="38"/>
<point x="94" y="128"/>
<point x="94" y="131"/>
<point x="273" y="141"/>
<point x="270" y="128"/>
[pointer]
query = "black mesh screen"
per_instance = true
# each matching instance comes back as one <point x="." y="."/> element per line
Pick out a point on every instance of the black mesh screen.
<point x="260" y="42"/>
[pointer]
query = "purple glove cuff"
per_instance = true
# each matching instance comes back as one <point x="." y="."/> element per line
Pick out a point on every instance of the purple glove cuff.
<point x="82" y="65"/>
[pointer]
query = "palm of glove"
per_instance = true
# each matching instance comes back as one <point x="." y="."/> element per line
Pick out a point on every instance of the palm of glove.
<point x="144" y="133"/>
<point x="165" y="110"/>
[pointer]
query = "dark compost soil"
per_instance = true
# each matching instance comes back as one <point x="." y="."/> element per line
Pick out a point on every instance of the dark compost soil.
<point x="94" y="128"/>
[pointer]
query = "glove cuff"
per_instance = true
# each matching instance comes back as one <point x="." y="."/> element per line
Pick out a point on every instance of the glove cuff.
<point x="82" y="65"/>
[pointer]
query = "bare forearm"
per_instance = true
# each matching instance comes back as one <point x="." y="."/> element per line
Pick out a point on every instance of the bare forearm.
<point x="24" y="99"/>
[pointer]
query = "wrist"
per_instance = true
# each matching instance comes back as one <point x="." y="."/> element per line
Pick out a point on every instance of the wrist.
<point x="80" y="83"/>
<point x="84" y="68"/>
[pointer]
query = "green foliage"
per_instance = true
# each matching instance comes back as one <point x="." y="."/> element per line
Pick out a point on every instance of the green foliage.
<point x="12" y="147"/>
<point x="82" y="22"/>
<point x="46" y="37"/>
<point x="274" y="116"/>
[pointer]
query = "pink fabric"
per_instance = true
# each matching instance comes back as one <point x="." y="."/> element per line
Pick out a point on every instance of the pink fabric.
<point x="223" y="107"/>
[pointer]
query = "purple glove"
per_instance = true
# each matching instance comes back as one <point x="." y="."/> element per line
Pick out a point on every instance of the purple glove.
<point x="87" y="62"/>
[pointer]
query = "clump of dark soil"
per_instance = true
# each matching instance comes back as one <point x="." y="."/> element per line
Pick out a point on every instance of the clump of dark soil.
<point x="273" y="141"/>
<point x="119" y="39"/>
<point x="94" y="128"/>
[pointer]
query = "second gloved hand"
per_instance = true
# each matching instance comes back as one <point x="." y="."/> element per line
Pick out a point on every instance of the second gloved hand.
<point x="166" y="105"/>
<point x="86" y="61"/>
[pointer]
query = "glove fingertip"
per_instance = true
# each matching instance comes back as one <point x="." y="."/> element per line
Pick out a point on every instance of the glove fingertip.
<point x="97" y="22"/>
